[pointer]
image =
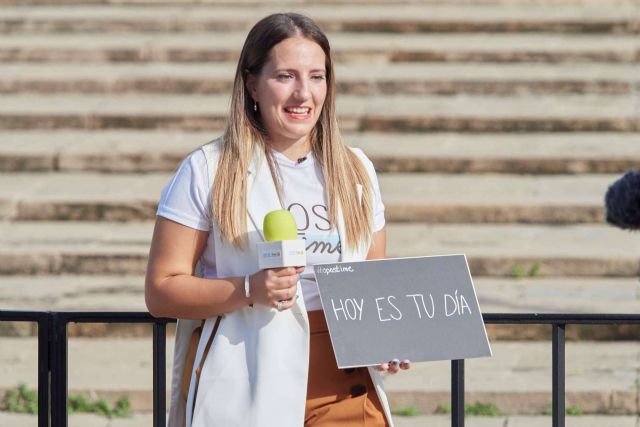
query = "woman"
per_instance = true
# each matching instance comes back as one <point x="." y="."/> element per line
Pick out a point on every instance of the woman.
<point x="271" y="362"/>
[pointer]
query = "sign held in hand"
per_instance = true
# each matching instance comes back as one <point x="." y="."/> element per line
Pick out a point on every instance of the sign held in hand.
<point x="422" y="308"/>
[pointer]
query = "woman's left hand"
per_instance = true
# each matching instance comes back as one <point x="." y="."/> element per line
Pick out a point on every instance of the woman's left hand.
<point x="394" y="366"/>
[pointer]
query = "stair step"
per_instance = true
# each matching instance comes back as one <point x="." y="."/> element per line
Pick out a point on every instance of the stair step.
<point x="494" y="198"/>
<point x="431" y="198"/>
<point x="131" y="151"/>
<point x="534" y="153"/>
<point x="503" y="250"/>
<point x="517" y="379"/>
<point x="146" y="419"/>
<point x="370" y="48"/>
<point x="387" y="18"/>
<point x="75" y="293"/>
<point x="495" y="295"/>
<point x="356" y="79"/>
<point x="43" y="248"/>
<point x="567" y="113"/>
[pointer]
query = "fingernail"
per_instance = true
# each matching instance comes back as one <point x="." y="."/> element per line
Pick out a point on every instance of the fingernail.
<point x="407" y="362"/>
<point x="396" y="362"/>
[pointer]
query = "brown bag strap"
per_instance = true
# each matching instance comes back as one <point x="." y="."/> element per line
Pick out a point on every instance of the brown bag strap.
<point x="202" y="360"/>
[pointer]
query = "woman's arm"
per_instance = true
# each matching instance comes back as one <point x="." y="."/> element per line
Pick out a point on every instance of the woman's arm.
<point x="171" y="290"/>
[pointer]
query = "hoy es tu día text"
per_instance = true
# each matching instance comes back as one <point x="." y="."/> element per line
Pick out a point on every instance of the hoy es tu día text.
<point x="387" y="307"/>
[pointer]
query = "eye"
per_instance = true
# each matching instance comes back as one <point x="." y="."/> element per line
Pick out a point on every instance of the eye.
<point x="318" y="77"/>
<point x="284" y="76"/>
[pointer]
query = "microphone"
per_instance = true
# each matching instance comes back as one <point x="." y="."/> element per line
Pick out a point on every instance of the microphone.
<point x="623" y="202"/>
<point x="301" y="159"/>
<point x="281" y="247"/>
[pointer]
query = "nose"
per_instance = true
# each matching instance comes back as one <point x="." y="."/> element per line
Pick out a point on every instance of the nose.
<point x="302" y="89"/>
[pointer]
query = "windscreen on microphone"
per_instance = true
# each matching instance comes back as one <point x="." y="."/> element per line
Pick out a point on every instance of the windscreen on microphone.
<point x="281" y="246"/>
<point x="279" y="225"/>
<point x="623" y="202"/>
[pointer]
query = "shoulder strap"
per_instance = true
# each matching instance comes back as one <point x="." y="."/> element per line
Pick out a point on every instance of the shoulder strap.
<point x="204" y="357"/>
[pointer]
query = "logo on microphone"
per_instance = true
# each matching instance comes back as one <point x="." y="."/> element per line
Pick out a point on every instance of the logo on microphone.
<point x="271" y="254"/>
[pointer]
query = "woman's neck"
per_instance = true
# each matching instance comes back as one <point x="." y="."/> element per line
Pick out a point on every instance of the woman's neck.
<point x="293" y="150"/>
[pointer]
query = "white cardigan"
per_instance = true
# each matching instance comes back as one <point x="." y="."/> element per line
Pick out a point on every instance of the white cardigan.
<point x="255" y="374"/>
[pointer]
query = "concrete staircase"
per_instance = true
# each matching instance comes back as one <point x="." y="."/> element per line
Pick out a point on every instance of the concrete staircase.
<point x="496" y="128"/>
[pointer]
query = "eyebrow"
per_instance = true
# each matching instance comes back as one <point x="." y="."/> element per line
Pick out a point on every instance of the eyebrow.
<point x="292" y="70"/>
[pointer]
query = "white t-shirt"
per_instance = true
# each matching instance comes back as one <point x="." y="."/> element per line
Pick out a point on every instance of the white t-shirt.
<point x="185" y="199"/>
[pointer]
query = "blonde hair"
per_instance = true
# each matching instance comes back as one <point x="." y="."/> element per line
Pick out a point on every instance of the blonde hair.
<point x="342" y="169"/>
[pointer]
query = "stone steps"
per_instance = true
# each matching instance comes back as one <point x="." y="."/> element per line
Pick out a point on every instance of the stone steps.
<point x="371" y="48"/>
<point x="354" y="79"/>
<point x="569" y="113"/>
<point x="489" y="198"/>
<point x="600" y="377"/>
<point x="105" y="99"/>
<point x="54" y="248"/>
<point x="144" y="151"/>
<point x="386" y="18"/>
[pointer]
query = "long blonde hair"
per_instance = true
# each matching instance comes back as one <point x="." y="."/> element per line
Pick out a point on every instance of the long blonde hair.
<point x="245" y="133"/>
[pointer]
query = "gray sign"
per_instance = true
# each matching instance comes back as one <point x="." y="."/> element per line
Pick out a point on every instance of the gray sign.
<point x="421" y="309"/>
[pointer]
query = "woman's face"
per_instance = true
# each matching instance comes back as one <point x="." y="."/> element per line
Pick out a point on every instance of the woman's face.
<point x="291" y="89"/>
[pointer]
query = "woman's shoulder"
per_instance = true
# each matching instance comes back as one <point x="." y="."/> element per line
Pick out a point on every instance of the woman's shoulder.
<point x="197" y="164"/>
<point x="212" y="147"/>
<point x="202" y="156"/>
<point x="358" y="152"/>
<point x="368" y="164"/>
<point x="205" y="159"/>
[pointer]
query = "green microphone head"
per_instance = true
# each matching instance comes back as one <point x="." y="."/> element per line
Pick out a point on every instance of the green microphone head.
<point x="280" y="225"/>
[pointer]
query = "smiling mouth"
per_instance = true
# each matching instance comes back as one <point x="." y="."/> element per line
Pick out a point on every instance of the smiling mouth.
<point x="298" y="110"/>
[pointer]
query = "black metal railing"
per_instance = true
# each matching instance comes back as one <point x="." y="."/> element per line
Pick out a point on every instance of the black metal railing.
<point x="53" y="372"/>
<point x="52" y="358"/>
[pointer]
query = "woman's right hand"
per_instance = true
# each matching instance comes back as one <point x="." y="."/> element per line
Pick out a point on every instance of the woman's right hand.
<point x="275" y="284"/>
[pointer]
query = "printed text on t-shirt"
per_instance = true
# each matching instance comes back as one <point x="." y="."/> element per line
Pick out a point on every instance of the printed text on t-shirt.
<point x="314" y="227"/>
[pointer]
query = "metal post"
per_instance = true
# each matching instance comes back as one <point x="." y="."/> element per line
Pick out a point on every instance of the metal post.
<point x="44" y="352"/>
<point x="58" y="370"/>
<point x="159" y="372"/>
<point x="457" y="393"/>
<point x="558" y="360"/>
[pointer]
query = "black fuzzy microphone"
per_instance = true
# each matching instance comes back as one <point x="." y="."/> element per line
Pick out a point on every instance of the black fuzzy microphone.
<point x="623" y="201"/>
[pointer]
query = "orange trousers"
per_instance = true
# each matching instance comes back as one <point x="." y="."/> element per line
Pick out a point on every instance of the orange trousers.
<point x="337" y="397"/>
